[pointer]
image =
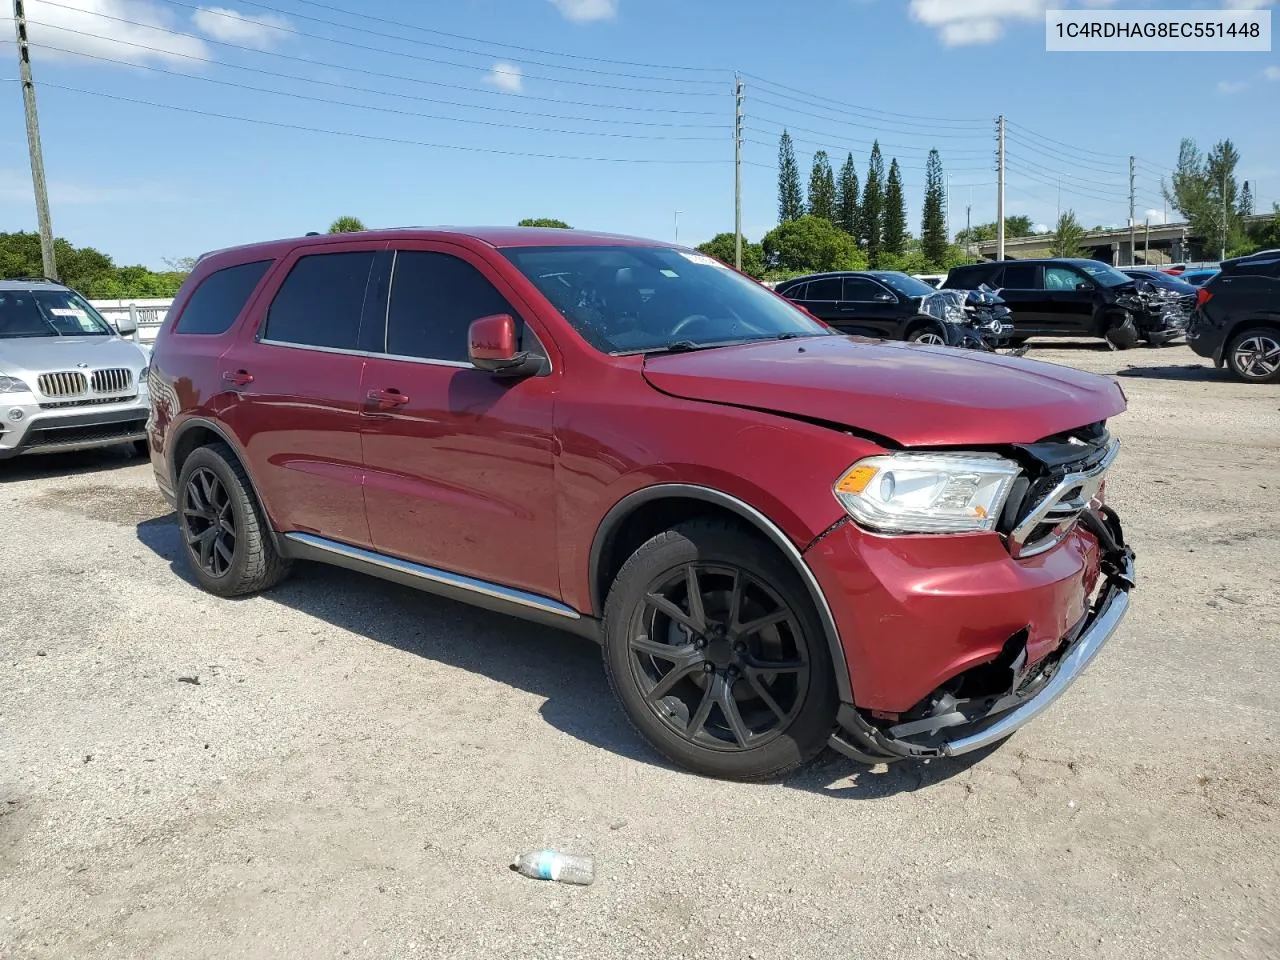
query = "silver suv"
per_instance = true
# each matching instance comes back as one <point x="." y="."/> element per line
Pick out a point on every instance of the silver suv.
<point x="68" y="380"/>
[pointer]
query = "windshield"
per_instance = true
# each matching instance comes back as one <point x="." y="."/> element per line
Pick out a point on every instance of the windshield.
<point x="1102" y="273"/>
<point x="645" y="299"/>
<point x="905" y="284"/>
<point x="49" y="313"/>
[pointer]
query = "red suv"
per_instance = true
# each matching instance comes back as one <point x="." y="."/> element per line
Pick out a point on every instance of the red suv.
<point x="783" y="537"/>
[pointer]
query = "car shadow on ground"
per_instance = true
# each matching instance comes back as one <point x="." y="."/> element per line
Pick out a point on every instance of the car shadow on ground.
<point x="51" y="466"/>
<point x="1185" y="372"/>
<point x="562" y="667"/>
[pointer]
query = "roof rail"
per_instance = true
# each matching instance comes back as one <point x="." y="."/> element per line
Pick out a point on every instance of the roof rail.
<point x="34" y="280"/>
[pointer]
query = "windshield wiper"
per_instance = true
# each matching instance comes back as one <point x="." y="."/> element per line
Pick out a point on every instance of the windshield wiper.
<point x="676" y="346"/>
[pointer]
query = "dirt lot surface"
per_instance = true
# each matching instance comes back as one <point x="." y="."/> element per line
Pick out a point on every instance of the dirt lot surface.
<point x="345" y="768"/>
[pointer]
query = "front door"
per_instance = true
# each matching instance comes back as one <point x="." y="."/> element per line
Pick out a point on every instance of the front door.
<point x="292" y="383"/>
<point x="1070" y="309"/>
<point x="870" y="308"/>
<point x="459" y="463"/>
<point x="822" y="299"/>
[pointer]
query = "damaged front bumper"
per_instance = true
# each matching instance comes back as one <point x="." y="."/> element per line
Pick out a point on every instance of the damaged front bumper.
<point x="955" y="728"/>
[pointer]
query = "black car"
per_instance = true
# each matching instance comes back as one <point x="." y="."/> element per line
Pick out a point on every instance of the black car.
<point x="1077" y="298"/>
<point x="1161" y="281"/>
<point x="891" y="305"/>
<point x="1237" y="318"/>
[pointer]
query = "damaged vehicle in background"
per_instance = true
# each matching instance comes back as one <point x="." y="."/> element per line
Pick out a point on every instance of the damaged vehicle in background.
<point x="1078" y="298"/>
<point x="890" y="305"/>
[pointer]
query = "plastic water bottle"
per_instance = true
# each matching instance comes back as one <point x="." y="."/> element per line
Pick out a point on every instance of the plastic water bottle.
<point x="551" y="865"/>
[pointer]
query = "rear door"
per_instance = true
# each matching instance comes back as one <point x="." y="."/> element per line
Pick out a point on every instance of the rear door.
<point x="869" y="308"/>
<point x="292" y="382"/>
<point x="822" y="299"/>
<point x="1022" y="288"/>
<point x="459" y="464"/>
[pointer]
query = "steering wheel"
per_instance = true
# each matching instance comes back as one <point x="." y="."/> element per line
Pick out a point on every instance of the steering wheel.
<point x="689" y="321"/>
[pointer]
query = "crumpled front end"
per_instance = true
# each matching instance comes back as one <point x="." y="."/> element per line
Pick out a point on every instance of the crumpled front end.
<point x="953" y="642"/>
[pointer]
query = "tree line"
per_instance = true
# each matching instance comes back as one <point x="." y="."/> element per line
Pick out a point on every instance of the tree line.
<point x="92" y="272"/>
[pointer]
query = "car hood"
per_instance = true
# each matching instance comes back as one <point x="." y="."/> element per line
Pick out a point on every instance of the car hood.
<point x="44" y="354"/>
<point x="912" y="394"/>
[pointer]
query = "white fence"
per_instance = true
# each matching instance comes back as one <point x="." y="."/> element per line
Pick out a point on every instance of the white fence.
<point x="147" y="315"/>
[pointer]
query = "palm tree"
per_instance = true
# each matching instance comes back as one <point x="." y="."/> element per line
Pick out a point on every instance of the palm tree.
<point x="347" y="225"/>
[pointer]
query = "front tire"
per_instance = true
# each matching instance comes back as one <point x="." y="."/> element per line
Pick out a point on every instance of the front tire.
<point x="929" y="334"/>
<point x="715" y="652"/>
<point x="1254" y="355"/>
<point x="226" y="537"/>
<point x="1122" y="335"/>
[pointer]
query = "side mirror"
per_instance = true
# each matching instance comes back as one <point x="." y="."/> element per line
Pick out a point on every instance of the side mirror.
<point x="491" y="346"/>
<point x="886" y="298"/>
<point x="126" y="326"/>
<point x="1084" y="285"/>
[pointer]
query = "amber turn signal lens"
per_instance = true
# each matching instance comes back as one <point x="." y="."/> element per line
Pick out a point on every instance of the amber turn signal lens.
<point x="856" y="480"/>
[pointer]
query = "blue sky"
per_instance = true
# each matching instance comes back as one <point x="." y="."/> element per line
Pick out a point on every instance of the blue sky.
<point x="445" y="129"/>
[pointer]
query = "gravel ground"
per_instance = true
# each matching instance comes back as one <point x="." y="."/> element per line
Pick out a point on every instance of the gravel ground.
<point x="345" y="767"/>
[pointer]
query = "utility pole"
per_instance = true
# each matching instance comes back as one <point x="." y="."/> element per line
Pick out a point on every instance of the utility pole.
<point x="1164" y="204"/>
<point x="1146" y="246"/>
<point x="948" y="208"/>
<point x="33" y="142"/>
<point x="737" y="172"/>
<point x="676" y="222"/>
<point x="1133" y="223"/>
<point x="1224" y="212"/>
<point x="1000" y="187"/>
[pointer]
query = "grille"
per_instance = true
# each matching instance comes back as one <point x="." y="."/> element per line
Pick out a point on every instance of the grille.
<point x="1054" y="512"/>
<point x="85" y="402"/>
<point x="107" y="432"/>
<point x="117" y="380"/>
<point x="67" y="384"/>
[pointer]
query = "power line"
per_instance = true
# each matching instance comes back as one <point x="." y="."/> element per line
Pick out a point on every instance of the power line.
<point x="878" y="125"/>
<point x="1068" y="146"/>
<point x="359" y="70"/>
<point x="844" y="139"/>
<point x="983" y="122"/>
<point x="391" y="110"/>
<point x="1069" y="188"/>
<point x="1095" y="185"/>
<point x="349" y="44"/>
<point x="1057" y="156"/>
<point x="509" y="46"/>
<point x="380" y="139"/>
<point x="229" y="15"/>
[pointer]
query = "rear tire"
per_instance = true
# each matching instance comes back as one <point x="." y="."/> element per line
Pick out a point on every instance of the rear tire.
<point x="736" y="683"/>
<point x="224" y="531"/>
<point x="1254" y="355"/>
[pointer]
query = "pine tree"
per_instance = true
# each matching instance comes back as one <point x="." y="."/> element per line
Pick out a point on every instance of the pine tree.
<point x="847" y="198"/>
<point x="790" y="198"/>
<point x="871" y="216"/>
<point x="933" y="221"/>
<point x="822" y="188"/>
<point x="895" y="211"/>
<point x="1244" y="208"/>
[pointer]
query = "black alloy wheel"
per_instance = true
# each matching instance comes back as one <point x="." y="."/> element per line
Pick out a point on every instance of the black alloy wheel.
<point x="715" y="649"/>
<point x="720" y="656"/>
<point x="209" y="522"/>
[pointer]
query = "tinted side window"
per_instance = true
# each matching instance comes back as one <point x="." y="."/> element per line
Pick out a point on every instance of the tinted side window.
<point x="1061" y="278"/>
<point x="221" y="296"/>
<point x="796" y="291"/>
<point x="861" y="290"/>
<point x="967" y="277"/>
<point x="320" y="302"/>
<point x="434" y="299"/>
<point x="1020" y="276"/>
<point x="828" y="289"/>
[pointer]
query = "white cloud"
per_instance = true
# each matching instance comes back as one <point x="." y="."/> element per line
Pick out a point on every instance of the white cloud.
<point x="1272" y="73"/>
<point x="1231" y="86"/>
<point x="963" y="22"/>
<point x="98" y="36"/>
<point x="1041" y="228"/>
<point x="584" y="11"/>
<point x="506" y="77"/>
<point x="234" y="26"/>
<point x="1246" y="4"/>
<point x="1155" y="216"/>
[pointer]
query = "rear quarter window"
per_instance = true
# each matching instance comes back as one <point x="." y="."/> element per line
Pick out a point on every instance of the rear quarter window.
<point x="221" y="296"/>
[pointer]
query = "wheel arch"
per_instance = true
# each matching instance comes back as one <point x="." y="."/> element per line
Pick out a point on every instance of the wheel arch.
<point x="650" y="510"/>
<point x="198" y="432"/>
<point x="924" y="320"/>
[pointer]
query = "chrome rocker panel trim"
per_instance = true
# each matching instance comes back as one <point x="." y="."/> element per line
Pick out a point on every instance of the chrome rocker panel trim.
<point x="455" y="586"/>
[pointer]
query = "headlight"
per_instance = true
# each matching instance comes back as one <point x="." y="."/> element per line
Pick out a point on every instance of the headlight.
<point x="927" y="492"/>
<point x="12" y="385"/>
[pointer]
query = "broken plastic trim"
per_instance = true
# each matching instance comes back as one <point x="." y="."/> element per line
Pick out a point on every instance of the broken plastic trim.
<point x="860" y="740"/>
